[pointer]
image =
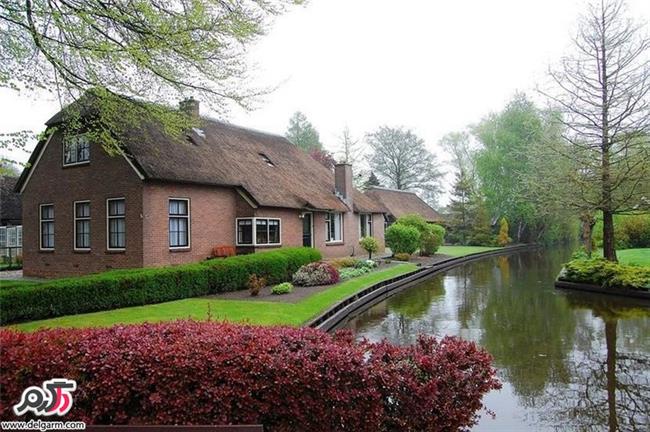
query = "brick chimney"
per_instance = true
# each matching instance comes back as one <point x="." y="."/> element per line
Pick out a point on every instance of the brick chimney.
<point x="190" y="106"/>
<point x="343" y="181"/>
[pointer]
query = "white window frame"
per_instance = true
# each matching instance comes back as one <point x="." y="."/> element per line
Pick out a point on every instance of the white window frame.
<point x="19" y="235"/>
<point x="108" y="222"/>
<point x="254" y="229"/>
<point x="76" y="138"/>
<point x="189" y="223"/>
<point x="40" y="227"/>
<point x="3" y="237"/>
<point x="369" y="224"/>
<point x="75" y="218"/>
<point x="327" y="228"/>
<point x="12" y="237"/>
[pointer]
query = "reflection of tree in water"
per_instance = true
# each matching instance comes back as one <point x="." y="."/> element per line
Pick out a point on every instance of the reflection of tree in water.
<point x="528" y="334"/>
<point x="415" y="302"/>
<point x="609" y="387"/>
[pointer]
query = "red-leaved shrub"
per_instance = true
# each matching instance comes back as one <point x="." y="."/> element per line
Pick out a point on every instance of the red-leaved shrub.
<point x="287" y="379"/>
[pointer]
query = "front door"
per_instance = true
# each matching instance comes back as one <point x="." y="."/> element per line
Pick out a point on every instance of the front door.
<point x="307" y="230"/>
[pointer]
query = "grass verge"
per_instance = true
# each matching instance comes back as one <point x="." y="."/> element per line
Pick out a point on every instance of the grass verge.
<point x="248" y="311"/>
<point x="639" y="257"/>
<point x="458" y="251"/>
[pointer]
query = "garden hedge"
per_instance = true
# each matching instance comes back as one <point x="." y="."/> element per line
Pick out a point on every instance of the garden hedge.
<point x="287" y="379"/>
<point x="607" y="274"/>
<point x="136" y="287"/>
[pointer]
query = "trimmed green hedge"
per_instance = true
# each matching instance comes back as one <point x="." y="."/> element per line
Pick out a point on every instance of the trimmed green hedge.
<point x="608" y="274"/>
<point x="137" y="287"/>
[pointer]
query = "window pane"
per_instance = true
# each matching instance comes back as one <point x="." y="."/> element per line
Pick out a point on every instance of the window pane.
<point x="274" y="231"/>
<point x="47" y="212"/>
<point x="116" y="207"/>
<point x="178" y="235"/>
<point x="117" y="235"/>
<point x="245" y="231"/>
<point x="69" y="151"/>
<point x="19" y="232"/>
<point x="47" y="234"/>
<point x="3" y="236"/>
<point x="83" y="149"/>
<point x="83" y="234"/>
<point x="262" y="231"/>
<point x="82" y="210"/>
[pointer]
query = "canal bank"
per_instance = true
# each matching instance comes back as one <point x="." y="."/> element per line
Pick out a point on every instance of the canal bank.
<point x="336" y="316"/>
<point x="567" y="360"/>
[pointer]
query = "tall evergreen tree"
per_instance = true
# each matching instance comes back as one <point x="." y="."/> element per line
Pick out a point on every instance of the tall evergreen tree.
<point x="302" y="133"/>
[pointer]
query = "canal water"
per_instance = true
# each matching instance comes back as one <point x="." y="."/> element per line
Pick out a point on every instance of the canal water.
<point x="567" y="361"/>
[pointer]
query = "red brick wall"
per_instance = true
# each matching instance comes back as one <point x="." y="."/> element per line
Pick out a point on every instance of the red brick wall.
<point x="52" y="183"/>
<point x="212" y="221"/>
<point x="350" y="244"/>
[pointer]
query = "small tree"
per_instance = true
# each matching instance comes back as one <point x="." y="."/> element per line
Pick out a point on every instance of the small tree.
<point x="503" y="239"/>
<point x="369" y="244"/>
<point x="402" y="238"/>
<point x="432" y="240"/>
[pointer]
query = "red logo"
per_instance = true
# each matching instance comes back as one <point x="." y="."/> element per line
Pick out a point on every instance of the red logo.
<point x="53" y="397"/>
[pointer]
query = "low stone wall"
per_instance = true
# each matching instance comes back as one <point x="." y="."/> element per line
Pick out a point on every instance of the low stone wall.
<point x="339" y="313"/>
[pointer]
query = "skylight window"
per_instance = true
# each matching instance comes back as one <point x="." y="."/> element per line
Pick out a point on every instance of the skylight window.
<point x="266" y="159"/>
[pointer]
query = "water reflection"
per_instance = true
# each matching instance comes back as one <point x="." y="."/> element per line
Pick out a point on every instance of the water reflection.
<point x="569" y="361"/>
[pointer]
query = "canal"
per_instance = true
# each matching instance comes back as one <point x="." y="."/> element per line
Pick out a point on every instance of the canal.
<point x="567" y="361"/>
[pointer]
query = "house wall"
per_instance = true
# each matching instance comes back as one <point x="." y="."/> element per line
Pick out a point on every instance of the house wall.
<point x="50" y="182"/>
<point x="212" y="221"/>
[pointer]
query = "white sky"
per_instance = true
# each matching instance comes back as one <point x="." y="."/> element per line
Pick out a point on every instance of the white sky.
<point x="434" y="66"/>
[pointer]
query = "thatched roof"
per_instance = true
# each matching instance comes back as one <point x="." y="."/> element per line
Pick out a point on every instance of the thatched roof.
<point x="399" y="203"/>
<point x="10" y="205"/>
<point x="268" y="167"/>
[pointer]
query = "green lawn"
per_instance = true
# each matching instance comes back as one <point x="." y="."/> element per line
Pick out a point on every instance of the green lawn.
<point x="634" y="256"/>
<point x="457" y="251"/>
<point x="254" y="312"/>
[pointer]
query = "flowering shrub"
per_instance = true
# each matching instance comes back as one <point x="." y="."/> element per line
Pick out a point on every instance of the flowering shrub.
<point x="318" y="273"/>
<point x="283" y="288"/>
<point x="287" y="379"/>
<point x="369" y="264"/>
<point x="349" y="273"/>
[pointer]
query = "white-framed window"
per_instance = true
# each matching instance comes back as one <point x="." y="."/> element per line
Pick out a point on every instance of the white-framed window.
<point x="76" y="150"/>
<point x="3" y="237"/>
<point x="334" y="227"/>
<point x="365" y="225"/>
<point x="46" y="212"/>
<point x="179" y="223"/>
<point x="82" y="225"/>
<point x="258" y="232"/>
<point x="116" y="223"/>
<point x="19" y="235"/>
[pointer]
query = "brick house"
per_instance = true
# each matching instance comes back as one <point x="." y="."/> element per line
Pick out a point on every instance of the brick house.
<point x="164" y="201"/>
<point x="397" y="203"/>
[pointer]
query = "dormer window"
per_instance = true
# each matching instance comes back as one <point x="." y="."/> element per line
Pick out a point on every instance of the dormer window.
<point x="266" y="159"/>
<point x="76" y="150"/>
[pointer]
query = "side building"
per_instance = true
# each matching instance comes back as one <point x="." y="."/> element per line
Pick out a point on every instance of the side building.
<point x="397" y="203"/>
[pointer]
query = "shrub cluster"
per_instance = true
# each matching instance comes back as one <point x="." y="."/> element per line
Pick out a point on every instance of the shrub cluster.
<point x="630" y="231"/>
<point x="317" y="273"/>
<point x="402" y="238"/>
<point x="402" y="256"/>
<point x="283" y="288"/>
<point x="197" y="373"/>
<point x="608" y="274"/>
<point x="352" y="272"/>
<point x="122" y="288"/>
<point x="431" y="235"/>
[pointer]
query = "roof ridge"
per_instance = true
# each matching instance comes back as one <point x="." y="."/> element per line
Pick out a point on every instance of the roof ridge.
<point x="392" y="190"/>
<point x="244" y="128"/>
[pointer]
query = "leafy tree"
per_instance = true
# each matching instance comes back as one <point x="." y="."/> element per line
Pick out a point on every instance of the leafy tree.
<point x="431" y="236"/>
<point x="402" y="239"/>
<point x="324" y="157"/>
<point x="460" y="208"/>
<point x="481" y="234"/>
<point x="503" y="239"/>
<point x="127" y="52"/>
<point x="302" y="133"/>
<point x="402" y="161"/>
<point x="602" y="92"/>
<point x="369" y="244"/>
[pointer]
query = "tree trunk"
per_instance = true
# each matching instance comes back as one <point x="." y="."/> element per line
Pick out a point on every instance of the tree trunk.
<point x="588" y="222"/>
<point x="609" y="250"/>
<point x="610" y="339"/>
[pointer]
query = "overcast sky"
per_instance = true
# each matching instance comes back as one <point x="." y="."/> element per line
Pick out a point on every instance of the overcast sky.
<point x="434" y="66"/>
